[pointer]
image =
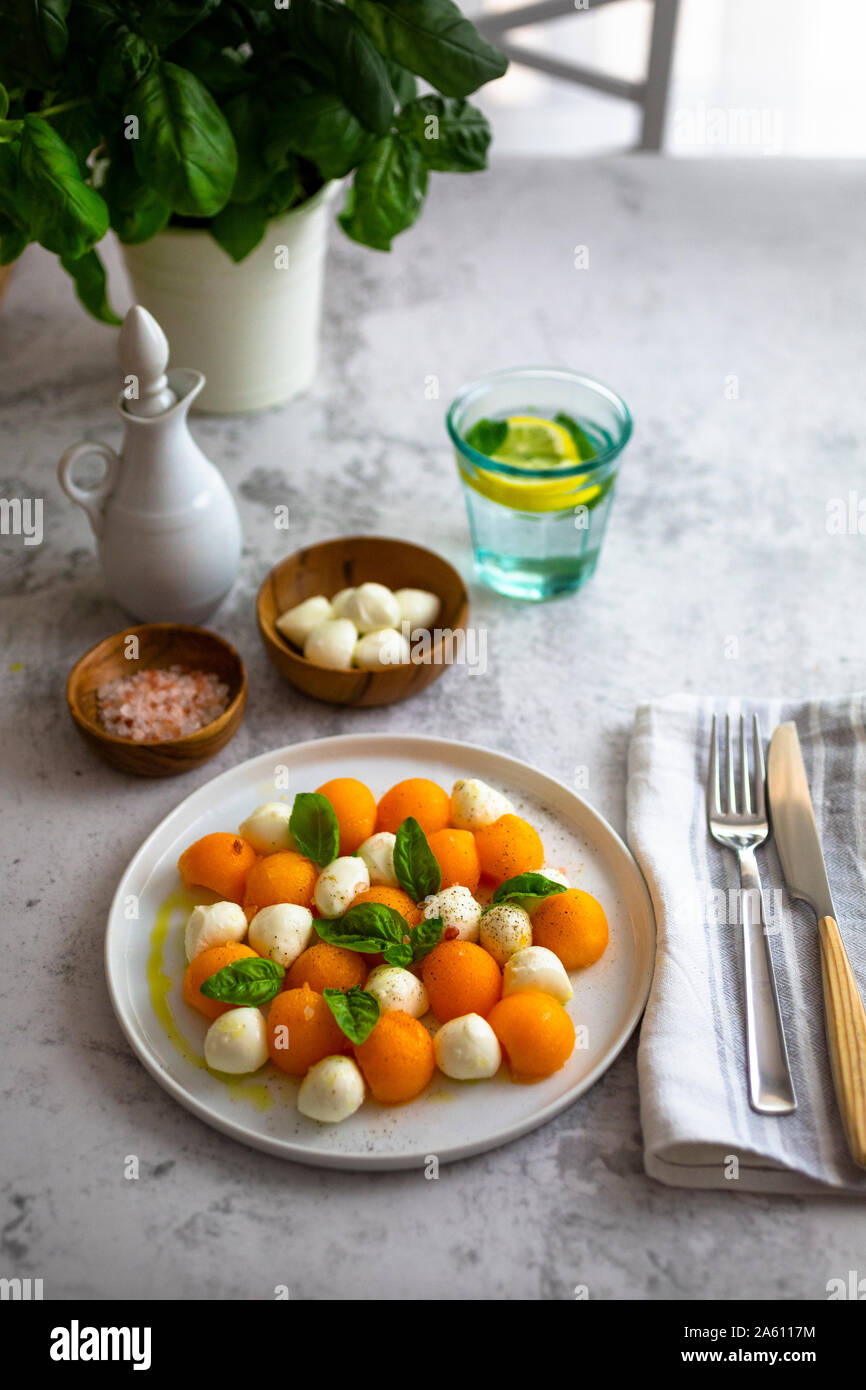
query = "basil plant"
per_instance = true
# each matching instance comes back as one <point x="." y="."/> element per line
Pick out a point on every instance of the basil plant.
<point x="225" y="113"/>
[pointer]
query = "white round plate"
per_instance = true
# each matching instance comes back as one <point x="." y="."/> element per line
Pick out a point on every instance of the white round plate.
<point x="452" y="1119"/>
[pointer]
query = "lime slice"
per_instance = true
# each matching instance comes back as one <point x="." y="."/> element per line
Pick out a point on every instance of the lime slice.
<point x="533" y="442"/>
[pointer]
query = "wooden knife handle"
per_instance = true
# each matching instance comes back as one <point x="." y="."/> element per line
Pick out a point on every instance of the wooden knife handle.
<point x="846" y="1035"/>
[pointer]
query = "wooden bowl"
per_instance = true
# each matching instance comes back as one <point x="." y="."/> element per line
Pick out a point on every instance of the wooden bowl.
<point x="344" y="563"/>
<point x="159" y="645"/>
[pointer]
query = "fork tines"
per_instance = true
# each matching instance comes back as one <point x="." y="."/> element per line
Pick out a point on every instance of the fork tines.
<point x="750" y="802"/>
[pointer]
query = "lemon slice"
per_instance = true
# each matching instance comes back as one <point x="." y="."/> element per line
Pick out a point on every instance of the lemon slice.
<point x="533" y="442"/>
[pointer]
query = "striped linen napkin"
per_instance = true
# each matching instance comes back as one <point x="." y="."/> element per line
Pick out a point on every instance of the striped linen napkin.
<point x="699" y="1130"/>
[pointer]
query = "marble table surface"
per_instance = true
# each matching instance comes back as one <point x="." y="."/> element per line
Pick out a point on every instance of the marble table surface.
<point x="725" y="300"/>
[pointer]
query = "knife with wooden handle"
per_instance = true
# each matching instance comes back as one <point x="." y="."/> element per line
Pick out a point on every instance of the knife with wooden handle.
<point x="796" y="836"/>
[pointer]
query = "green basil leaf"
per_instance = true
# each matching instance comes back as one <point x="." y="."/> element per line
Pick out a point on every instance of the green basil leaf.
<point x="51" y="17"/>
<point x="399" y="954"/>
<point x="221" y="67"/>
<point x="319" y="126"/>
<point x="433" y="39"/>
<point x="249" y="118"/>
<point x="366" y="927"/>
<point x="329" y="930"/>
<point x="582" y="442"/>
<point x="452" y="135"/>
<point x="285" y="189"/>
<point x="82" y="133"/>
<point x="14" y="200"/>
<point x="387" y="193"/>
<point x="532" y="886"/>
<point x="314" y="827"/>
<point x="4" y="102"/>
<point x="33" y="39"/>
<point x="425" y="936"/>
<point x="356" y="1011"/>
<point x="487" y="436"/>
<point x="250" y="981"/>
<point x="88" y="272"/>
<point x="404" y="84"/>
<point x="126" y="58"/>
<point x="10" y="130"/>
<point x="415" y="864"/>
<point x="137" y="212"/>
<point x="238" y="228"/>
<point x="98" y="22"/>
<point x="13" y="240"/>
<point x="165" y="21"/>
<point x="185" y="149"/>
<point x="333" y="40"/>
<point x="67" y="215"/>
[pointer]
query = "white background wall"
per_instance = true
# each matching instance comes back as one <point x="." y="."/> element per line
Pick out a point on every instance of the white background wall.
<point x="751" y="77"/>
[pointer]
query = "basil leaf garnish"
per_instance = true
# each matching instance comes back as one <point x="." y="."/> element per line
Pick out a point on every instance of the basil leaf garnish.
<point x="398" y="954"/>
<point x="252" y="980"/>
<point x="425" y="936"/>
<point x="356" y="1011"/>
<point x="526" y="886"/>
<point x="487" y="436"/>
<point x="415" y="864"/>
<point x="314" y="827"/>
<point x="367" y="927"/>
<point x="582" y="442"/>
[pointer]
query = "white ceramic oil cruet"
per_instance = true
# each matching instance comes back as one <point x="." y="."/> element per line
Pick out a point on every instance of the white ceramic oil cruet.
<point x="166" y="526"/>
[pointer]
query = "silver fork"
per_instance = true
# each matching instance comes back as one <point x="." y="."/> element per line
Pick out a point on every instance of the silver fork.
<point x="741" y="827"/>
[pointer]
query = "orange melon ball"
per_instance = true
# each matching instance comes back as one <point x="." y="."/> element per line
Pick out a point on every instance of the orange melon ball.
<point x="391" y="897"/>
<point x="284" y="877"/>
<point x="202" y="967"/>
<point x="535" y="1033"/>
<point x="323" y="966"/>
<point x="355" y="808"/>
<point x="397" y="1059"/>
<point x="456" y="853"/>
<point x="302" y="1030"/>
<point x="220" y="862"/>
<point x="508" y="847"/>
<point x="418" y="797"/>
<point x="573" y="925"/>
<point x="460" y="978"/>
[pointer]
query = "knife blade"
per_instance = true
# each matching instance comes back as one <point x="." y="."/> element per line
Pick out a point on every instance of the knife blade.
<point x="796" y="836"/>
<point x="794" y="822"/>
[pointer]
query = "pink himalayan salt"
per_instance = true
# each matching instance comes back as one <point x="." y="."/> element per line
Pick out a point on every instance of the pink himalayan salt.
<point x="152" y="706"/>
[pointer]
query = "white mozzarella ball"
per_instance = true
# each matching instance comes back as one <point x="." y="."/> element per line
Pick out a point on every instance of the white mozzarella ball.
<point x="332" y="644"/>
<point x="237" y="1042"/>
<point x="267" y="829"/>
<point x="382" y="647"/>
<point x="372" y="606"/>
<point x="281" y="932"/>
<point x="505" y="929"/>
<point x="418" y="607"/>
<point x="398" y="989"/>
<point x="467" y="1049"/>
<point x="378" y="854"/>
<point x="332" y="1090"/>
<point x="474" y="804"/>
<point x="534" y="967"/>
<point x="213" y="924"/>
<point x="339" y="601"/>
<point x="459" y="911"/>
<point x="297" y="623"/>
<point x="341" y="881"/>
<point x="557" y="876"/>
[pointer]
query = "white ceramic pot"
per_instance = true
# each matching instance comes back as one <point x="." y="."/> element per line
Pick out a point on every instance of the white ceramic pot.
<point x="252" y="327"/>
